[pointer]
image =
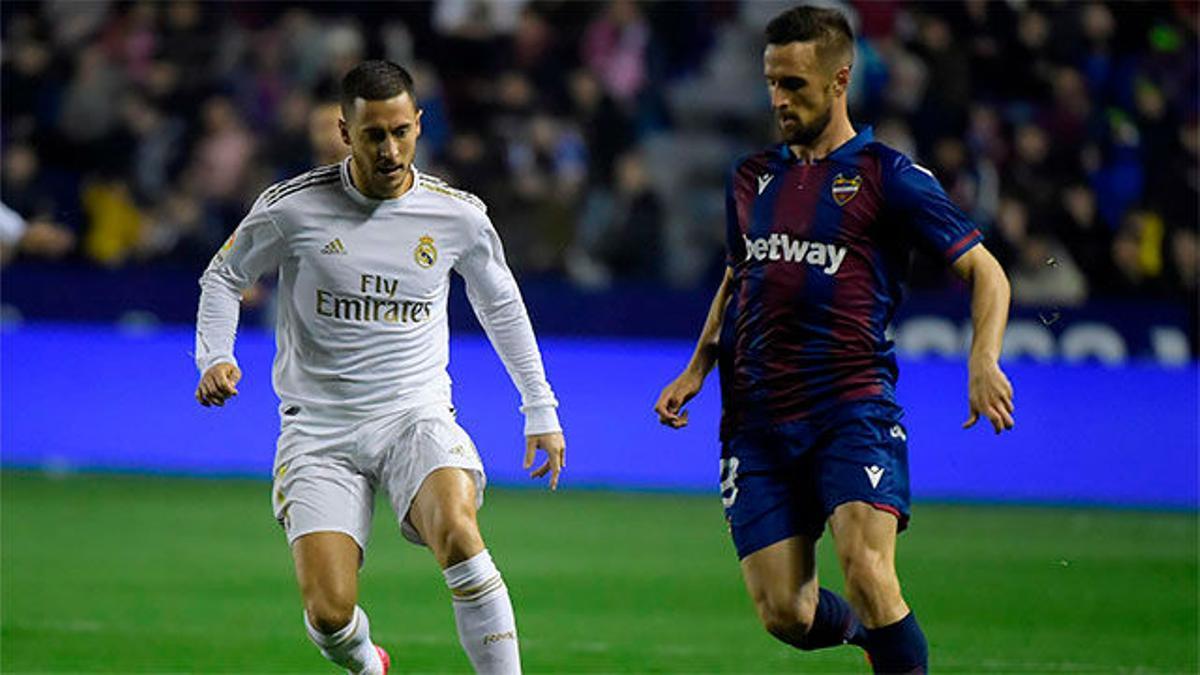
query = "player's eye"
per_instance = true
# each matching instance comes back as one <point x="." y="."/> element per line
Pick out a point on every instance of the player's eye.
<point x="792" y="83"/>
<point x="375" y="135"/>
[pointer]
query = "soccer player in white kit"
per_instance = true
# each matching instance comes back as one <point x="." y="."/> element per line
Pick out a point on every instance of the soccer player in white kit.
<point x="364" y="251"/>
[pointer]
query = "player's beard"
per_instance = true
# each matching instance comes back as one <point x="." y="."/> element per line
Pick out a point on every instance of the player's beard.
<point x="806" y="134"/>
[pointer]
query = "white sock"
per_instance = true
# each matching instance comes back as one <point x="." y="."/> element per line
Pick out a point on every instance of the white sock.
<point x="351" y="646"/>
<point x="484" y="614"/>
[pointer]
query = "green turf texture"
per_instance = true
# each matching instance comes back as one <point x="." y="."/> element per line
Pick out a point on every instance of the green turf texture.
<point x="142" y="574"/>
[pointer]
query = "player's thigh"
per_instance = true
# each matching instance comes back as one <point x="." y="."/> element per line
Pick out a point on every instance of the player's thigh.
<point x="435" y="481"/>
<point x="782" y="581"/>
<point x="443" y="515"/>
<point x="864" y="535"/>
<point x="327" y="572"/>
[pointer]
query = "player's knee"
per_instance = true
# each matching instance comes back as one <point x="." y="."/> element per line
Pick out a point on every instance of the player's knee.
<point x="457" y="537"/>
<point x="330" y="612"/>
<point x="789" y="620"/>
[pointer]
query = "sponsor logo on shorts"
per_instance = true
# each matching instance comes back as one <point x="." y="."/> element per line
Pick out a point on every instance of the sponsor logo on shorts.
<point x="898" y="432"/>
<point x="874" y="474"/>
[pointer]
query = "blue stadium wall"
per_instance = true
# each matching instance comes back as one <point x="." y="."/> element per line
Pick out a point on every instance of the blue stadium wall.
<point x="76" y="397"/>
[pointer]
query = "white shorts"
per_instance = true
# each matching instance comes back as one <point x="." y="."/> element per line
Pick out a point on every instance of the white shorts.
<point x="326" y="471"/>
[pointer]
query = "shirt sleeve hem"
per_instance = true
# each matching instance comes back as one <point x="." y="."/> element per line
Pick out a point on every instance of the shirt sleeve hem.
<point x="963" y="245"/>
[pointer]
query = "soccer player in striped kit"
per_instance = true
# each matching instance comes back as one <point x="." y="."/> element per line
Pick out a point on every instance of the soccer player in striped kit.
<point x="364" y="249"/>
<point x="820" y="232"/>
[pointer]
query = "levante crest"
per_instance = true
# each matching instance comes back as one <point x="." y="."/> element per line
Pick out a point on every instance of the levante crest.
<point x="844" y="188"/>
<point x="426" y="253"/>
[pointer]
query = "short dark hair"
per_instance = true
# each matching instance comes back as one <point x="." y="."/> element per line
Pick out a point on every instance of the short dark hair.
<point x="828" y="27"/>
<point x="375" y="81"/>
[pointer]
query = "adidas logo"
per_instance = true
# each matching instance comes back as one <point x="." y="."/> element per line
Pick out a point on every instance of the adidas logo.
<point x="334" y="247"/>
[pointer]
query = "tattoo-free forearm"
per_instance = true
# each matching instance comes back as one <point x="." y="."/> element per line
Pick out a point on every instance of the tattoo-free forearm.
<point x="990" y="296"/>
<point x="705" y="355"/>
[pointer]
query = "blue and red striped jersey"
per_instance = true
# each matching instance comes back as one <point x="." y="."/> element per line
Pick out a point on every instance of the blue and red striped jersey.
<point x="819" y="253"/>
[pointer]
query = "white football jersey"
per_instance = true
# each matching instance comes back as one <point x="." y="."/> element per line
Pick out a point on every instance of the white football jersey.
<point x="361" y="326"/>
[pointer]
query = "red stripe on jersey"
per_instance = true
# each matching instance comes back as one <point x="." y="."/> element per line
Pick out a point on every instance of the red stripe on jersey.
<point x="959" y="246"/>
<point x="796" y="204"/>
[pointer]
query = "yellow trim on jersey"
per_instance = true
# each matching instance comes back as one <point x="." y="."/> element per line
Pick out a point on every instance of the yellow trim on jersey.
<point x="435" y="185"/>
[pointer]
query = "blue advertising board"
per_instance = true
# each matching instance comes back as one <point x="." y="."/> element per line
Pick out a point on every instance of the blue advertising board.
<point x="88" y="397"/>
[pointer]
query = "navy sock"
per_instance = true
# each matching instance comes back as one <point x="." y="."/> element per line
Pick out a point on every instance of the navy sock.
<point x="898" y="648"/>
<point x="833" y="624"/>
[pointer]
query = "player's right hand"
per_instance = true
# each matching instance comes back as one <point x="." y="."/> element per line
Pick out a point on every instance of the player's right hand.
<point x="675" y="395"/>
<point x="218" y="384"/>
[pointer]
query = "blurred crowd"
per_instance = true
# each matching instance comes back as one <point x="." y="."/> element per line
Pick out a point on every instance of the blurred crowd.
<point x="138" y="133"/>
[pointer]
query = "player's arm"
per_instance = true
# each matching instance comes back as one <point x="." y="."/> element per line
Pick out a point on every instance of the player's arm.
<point x="934" y="220"/>
<point x="498" y="305"/>
<point x="989" y="392"/>
<point x="685" y="387"/>
<point x="254" y="248"/>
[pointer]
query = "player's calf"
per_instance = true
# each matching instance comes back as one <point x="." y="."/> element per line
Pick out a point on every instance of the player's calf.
<point x="483" y="613"/>
<point x="443" y="513"/>
<point x="866" y="540"/>
<point x="866" y="546"/>
<point x="350" y="646"/>
<point x="781" y="579"/>
<point x="873" y="588"/>
<point x="813" y="621"/>
<point x="327" y="571"/>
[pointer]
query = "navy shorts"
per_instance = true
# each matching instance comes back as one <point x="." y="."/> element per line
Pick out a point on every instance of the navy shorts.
<point x="786" y="480"/>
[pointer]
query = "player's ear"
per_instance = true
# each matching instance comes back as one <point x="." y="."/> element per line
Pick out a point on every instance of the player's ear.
<point x="345" y="131"/>
<point x="417" y="123"/>
<point x="841" y="80"/>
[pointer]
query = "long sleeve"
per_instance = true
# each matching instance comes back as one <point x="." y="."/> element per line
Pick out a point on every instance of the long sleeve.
<point x="497" y="302"/>
<point x="254" y="248"/>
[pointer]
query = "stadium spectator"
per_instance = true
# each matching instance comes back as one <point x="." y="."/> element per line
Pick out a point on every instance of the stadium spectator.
<point x="1083" y="112"/>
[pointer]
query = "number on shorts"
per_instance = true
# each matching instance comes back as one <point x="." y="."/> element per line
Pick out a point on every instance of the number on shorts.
<point x="729" y="490"/>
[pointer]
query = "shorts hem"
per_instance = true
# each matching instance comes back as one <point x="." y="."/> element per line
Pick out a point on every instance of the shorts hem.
<point x="293" y="536"/>
<point x="758" y="546"/>
<point x="900" y="512"/>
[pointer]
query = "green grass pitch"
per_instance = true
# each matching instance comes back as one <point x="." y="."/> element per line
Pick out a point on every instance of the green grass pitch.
<point x="137" y="574"/>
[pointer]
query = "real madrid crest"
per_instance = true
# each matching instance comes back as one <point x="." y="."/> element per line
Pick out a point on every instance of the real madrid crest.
<point x="844" y="189"/>
<point x="426" y="253"/>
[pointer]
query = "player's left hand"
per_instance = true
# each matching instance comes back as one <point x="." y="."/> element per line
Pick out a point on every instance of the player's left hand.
<point x="990" y="394"/>
<point x="556" y="455"/>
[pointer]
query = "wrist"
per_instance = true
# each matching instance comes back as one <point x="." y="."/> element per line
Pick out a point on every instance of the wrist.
<point x="216" y="361"/>
<point x="541" y="419"/>
<point x="982" y="359"/>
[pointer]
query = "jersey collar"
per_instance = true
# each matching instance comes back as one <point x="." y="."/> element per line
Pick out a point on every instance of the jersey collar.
<point x="359" y="198"/>
<point x="842" y="153"/>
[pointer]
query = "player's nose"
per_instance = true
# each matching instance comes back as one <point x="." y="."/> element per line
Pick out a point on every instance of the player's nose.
<point x="389" y="149"/>
<point x="779" y="102"/>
